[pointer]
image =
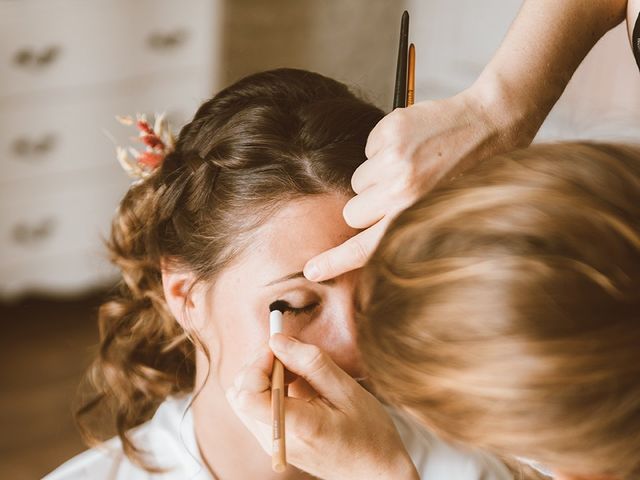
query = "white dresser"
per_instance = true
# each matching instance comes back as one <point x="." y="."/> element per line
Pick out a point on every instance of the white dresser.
<point x="67" y="67"/>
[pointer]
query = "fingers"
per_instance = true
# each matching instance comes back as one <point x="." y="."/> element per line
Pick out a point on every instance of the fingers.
<point x="375" y="140"/>
<point x="255" y="402"/>
<point x="254" y="378"/>
<point x="369" y="172"/>
<point x="303" y="419"/>
<point x="368" y="207"/>
<point x="250" y="399"/>
<point x="392" y="127"/>
<point x="392" y="162"/>
<point x="379" y="203"/>
<point x="348" y="256"/>
<point x="316" y="367"/>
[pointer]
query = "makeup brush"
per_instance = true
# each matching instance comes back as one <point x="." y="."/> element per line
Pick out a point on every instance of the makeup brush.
<point x="411" y="88"/>
<point x="400" y="92"/>
<point x="278" y="451"/>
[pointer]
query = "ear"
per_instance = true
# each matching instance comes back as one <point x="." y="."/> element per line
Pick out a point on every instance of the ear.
<point x="181" y="298"/>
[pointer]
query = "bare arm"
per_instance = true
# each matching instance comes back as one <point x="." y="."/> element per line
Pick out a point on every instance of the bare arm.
<point x="412" y="149"/>
<point x="543" y="48"/>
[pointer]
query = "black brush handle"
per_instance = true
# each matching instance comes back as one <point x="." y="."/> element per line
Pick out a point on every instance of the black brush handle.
<point x="400" y="93"/>
<point x="635" y="40"/>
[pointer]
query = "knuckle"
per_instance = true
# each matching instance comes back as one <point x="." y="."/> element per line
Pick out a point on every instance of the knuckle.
<point x="308" y="429"/>
<point x="406" y="183"/>
<point x="315" y="358"/>
<point x="317" y="362"/>
<point x="388" y="129"/>
<point x="414" y="166"/>
<point x="394" y="116"/>
<point x="398" y="120"/>
<point x="396" y="158"/>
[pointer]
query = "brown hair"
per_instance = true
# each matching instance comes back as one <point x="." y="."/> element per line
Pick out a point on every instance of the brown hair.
<point x="264" y="140"/>
<point x="503" y="310"/>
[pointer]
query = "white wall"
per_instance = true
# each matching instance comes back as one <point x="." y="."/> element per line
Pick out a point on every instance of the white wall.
<point x="455" y="39"/>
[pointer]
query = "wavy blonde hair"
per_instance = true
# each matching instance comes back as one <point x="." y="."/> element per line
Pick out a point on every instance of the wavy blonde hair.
<point x="267" y="139"/>
<point x="503" y="310"/>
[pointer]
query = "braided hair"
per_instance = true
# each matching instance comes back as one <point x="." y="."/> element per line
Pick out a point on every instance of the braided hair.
<point x="265" y="140"/>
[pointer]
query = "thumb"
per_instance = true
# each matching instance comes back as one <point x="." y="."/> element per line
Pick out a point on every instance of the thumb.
<point x="315" y="366"/>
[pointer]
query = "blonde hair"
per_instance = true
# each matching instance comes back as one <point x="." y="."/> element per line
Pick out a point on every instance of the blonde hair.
<point x="503" y="310"/>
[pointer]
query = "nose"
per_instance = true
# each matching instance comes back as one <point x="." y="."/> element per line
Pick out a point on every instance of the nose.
<point x="334" y="331"/>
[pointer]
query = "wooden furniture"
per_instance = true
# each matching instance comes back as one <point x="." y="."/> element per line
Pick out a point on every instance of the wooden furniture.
<point x="67" y="67"/>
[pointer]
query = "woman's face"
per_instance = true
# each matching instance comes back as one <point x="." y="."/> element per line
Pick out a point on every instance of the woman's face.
<point x="271" y="269"/>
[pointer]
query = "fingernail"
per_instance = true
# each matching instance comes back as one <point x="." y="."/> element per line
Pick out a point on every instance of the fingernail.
<point x="312" y="272"/>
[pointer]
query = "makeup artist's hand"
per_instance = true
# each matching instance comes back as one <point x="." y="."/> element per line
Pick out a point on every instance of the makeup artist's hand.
<point x="342" y="432"/>
<point x="409" y="152"/>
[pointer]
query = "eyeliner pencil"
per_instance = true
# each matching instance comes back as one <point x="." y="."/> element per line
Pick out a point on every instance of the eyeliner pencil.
<point x="411" y="88"/>
<point x="279" y="454"/>
<point x="279" y="449"/>
<point x="400" y="92"/>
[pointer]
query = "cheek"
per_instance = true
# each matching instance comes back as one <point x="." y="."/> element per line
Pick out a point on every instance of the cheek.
<point x="238" y="336"/>
<point x="346" y="357"/>
<point x="338" y="340"/>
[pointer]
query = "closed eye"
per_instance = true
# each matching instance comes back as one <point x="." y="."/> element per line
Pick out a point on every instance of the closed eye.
<point x="301" y="310"/>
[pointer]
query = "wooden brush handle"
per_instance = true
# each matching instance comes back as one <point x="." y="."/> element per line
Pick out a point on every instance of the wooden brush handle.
<point x="278" y="452"/>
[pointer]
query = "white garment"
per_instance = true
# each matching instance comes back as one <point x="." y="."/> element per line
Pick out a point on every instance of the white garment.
<point x="170" y="440"/>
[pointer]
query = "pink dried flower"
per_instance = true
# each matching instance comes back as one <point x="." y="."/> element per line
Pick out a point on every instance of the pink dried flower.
<point x="151" y="159"/>
<point x="144" y="126"/>
<point x="152" y="141"/>
<point x="158" y="141"/>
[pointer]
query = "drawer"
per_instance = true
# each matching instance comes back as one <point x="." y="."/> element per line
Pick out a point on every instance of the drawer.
<point x="60" y="215"/>
<point x="71" y="273"/>
<point x="73" y="132"/>
<point x="69" y="43"/>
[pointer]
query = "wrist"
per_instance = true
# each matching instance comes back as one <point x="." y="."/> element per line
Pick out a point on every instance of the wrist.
<point x="401" y="467"/>
<point x="394" y="463"/>
<point x="511" y="114"/>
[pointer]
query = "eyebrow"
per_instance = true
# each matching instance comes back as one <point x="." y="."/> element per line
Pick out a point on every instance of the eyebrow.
<point x="291" y="276"/>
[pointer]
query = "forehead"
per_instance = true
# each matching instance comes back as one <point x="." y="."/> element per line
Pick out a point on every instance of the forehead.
<point x="299" y="230"/>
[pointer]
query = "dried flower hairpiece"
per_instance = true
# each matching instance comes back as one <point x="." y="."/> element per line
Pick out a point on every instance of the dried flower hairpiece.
<point x="158" y="141"/>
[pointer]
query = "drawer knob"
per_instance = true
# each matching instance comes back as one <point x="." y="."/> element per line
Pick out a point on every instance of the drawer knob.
<point x="162" y="41"/>
<point x="26" y="235"/>
<point x="26" y="148"/>
<point x="35" y="60"/>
